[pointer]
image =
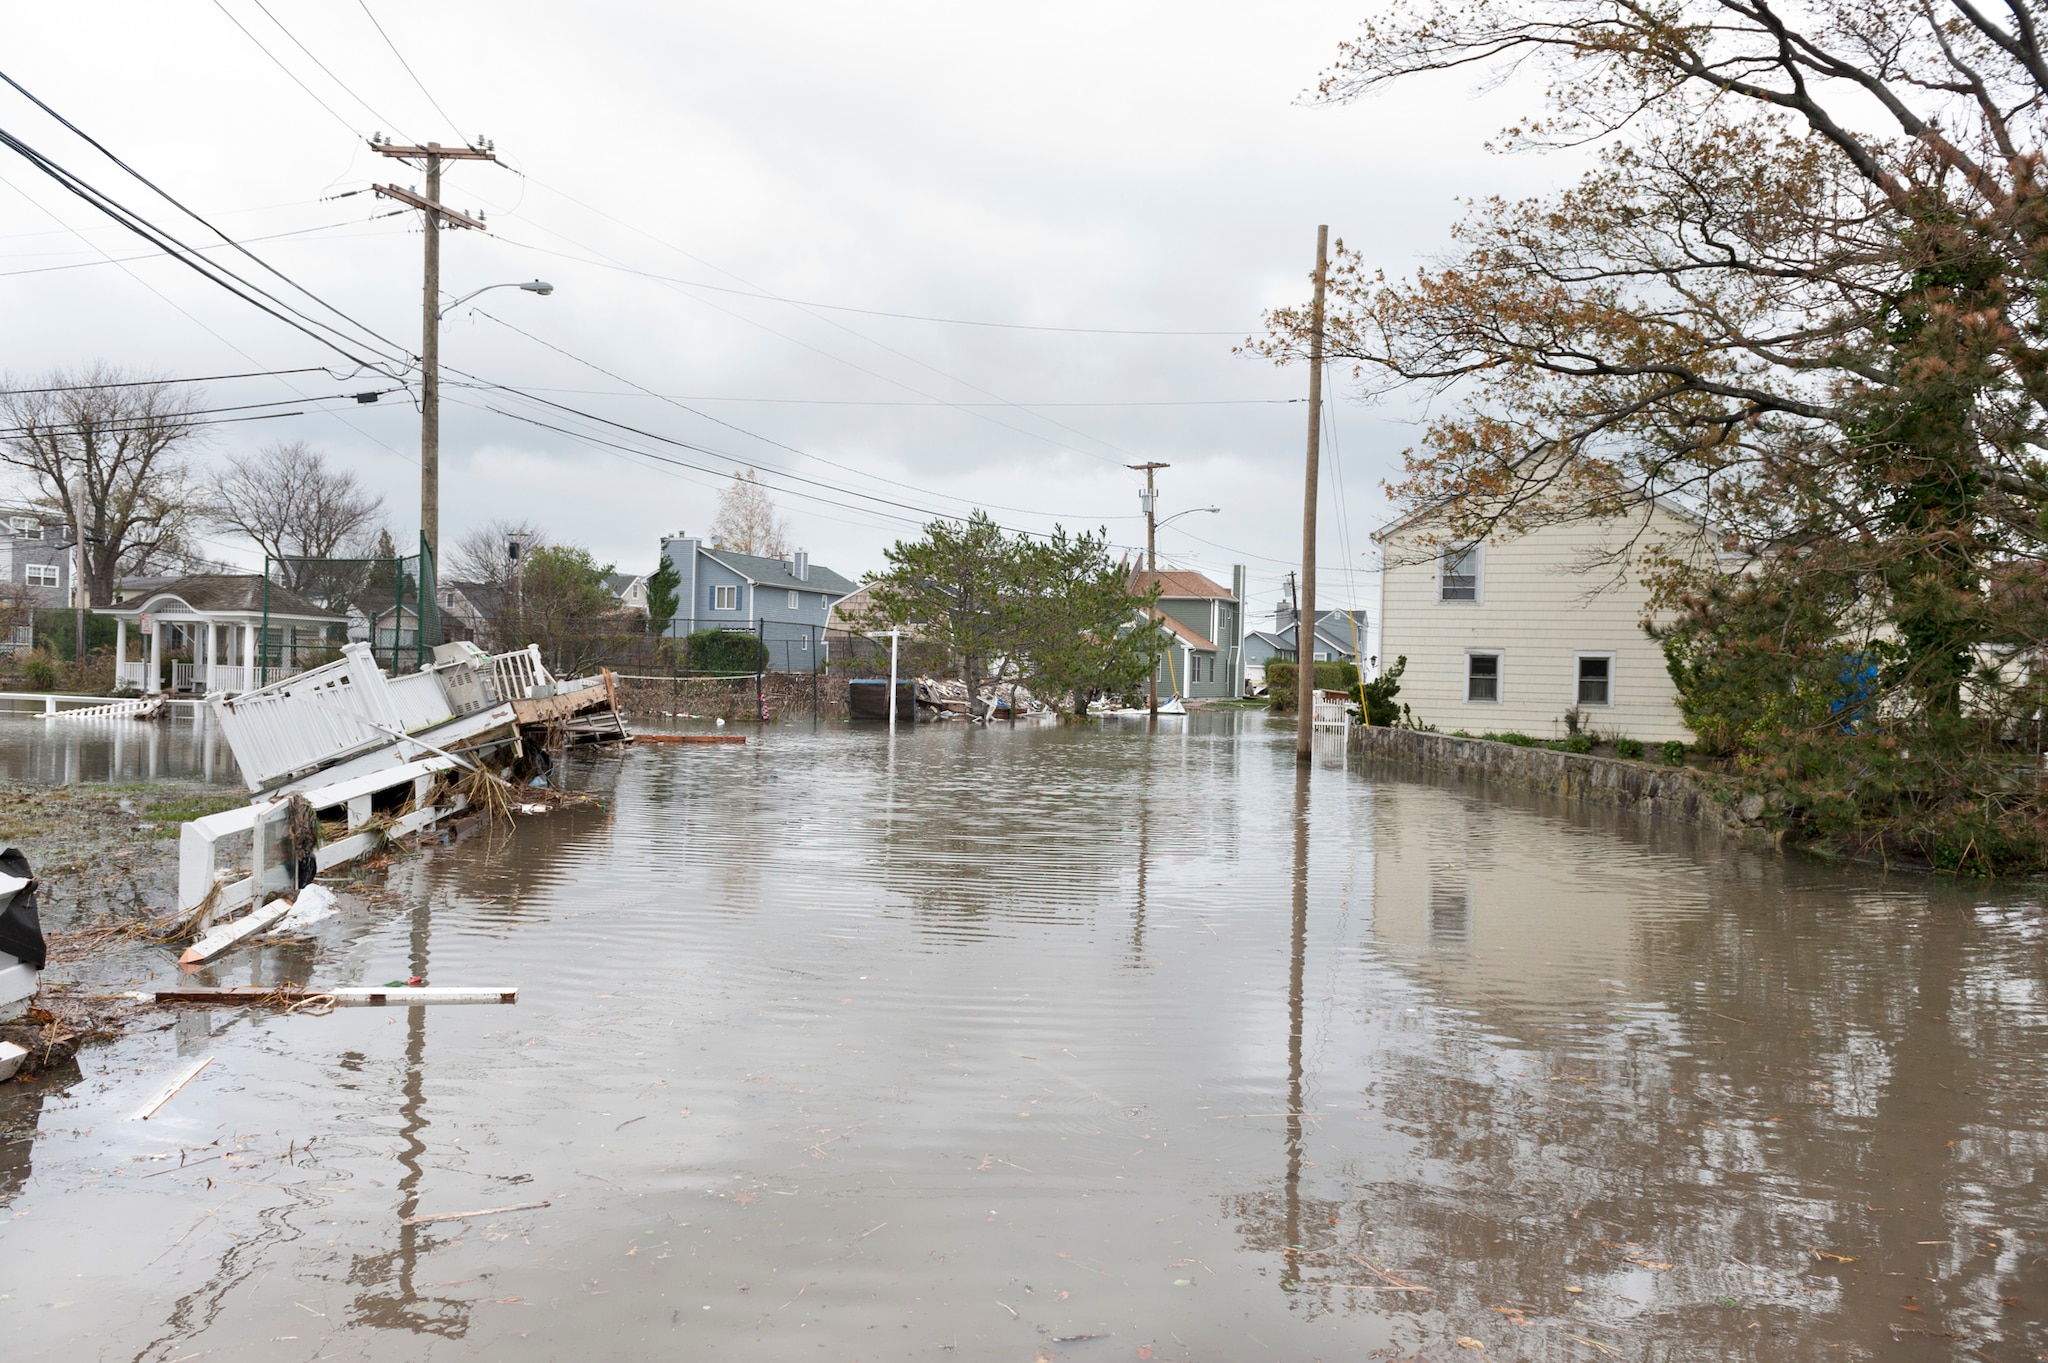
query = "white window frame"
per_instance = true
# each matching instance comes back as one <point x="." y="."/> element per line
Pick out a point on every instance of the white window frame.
<point x="796" y="601"/>
<point x="1580" y="657"/>
<point x="1478" y="575"/>
<point x="1500" y="668"/>
<point x="25" y="527"/>
<point x="44" y="575"/>
<point x="803" y="643"/>
<point x="725" y="598"/>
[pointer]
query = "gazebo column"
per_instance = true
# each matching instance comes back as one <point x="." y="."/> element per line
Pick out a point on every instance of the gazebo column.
<point x="206" y="686"/>
<point x="152" y="681"/>
<point x="120" y="648"/>
<point x="249" y="682"/>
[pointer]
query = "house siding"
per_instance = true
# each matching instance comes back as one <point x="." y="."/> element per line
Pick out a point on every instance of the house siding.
<point x="794" y="634"/>
<point x="1539" y="609"/>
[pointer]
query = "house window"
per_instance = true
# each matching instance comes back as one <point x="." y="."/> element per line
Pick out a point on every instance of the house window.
<point x="25" y="527"/>
<point x="42" y="575"/>
<point x="803" y="645"/>
<point x="1596" y="679"/>
<point x="725" y="598"/>
<point x="796" y="601"/>
<point x="1482" y="677"/>
<point x="1458" y="576"/>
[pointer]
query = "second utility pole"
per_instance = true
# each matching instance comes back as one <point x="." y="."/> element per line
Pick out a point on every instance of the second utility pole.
<point x="1305" y="614"/>
<point x="430" y="329"/>
<point x="1150" y="498"/>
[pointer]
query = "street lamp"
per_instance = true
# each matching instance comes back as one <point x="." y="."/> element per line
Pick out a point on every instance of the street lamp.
<point x="539" y="286"/>
<point x="1149" y="500"/>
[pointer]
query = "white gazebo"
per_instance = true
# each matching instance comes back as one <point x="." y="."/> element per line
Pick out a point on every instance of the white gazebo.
<point x="223" y="617"/>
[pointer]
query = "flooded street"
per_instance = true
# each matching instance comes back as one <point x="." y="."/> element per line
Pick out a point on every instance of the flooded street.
<point x="1082" y="1043"/>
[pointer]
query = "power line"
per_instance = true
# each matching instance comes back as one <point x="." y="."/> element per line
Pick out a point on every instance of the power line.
<point x="368" y="107"/>
<point x="872" y="312"/>
<point x="51" y="168"/>
<point x="150" y="383"/>
<point x="407" y="65"/>
<point x="753" y="435"/>
<point x="186" y="255"/>
<point x="332" y="111"/>
<point x="890" y="402"/>
<point x="151" y="255"/>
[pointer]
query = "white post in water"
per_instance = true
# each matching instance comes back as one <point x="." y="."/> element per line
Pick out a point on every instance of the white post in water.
<point x="892" y="681"/>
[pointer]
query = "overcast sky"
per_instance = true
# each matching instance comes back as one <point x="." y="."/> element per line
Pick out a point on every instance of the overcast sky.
<point x="1141" y="167"/>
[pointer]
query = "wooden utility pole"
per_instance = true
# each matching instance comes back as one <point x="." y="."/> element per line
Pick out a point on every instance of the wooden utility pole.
<point x="434" y="214"/>
<point x="1150" y="499"/>
<point x="1305" y="611"/>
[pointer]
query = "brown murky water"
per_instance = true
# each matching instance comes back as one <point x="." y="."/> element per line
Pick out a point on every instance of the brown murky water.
<point x="1077" y="1044"/>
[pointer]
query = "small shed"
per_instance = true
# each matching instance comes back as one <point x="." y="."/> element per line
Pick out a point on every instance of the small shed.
<point x="215" y="620"/>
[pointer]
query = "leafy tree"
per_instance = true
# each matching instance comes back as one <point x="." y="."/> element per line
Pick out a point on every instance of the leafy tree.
<point x="565" y="606"/>
<point x="663" y="598"/>
<point x="956" y="586"/>
<point x="1077" y="628"/>
<point x="1376" y="697"/>
<point x="1804" y="288"/>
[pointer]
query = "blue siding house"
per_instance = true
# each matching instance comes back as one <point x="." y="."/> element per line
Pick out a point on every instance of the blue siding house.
<point x="787" y="600"/>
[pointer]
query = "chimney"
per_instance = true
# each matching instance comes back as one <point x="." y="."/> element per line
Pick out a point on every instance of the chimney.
<point x="800" y="567"/>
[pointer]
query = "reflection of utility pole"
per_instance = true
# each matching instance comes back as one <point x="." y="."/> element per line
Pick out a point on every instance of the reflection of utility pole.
<point x="1304" y="619"/>
<point x="434" y="215"/>
<point x="1295" y="975"/>
<point x="1149" y="499"/>
<point x="79" y="598"/>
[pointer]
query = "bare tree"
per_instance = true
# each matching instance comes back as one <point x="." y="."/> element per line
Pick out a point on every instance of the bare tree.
<point x="486" y="554"/>
<point x="747" y="523"/>
<point x="124" y="445"/>
<point x="293" y="505"/>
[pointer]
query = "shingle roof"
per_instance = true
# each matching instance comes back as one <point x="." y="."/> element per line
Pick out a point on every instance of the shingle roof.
<point x="228" y="594"/>
<point x="1179" y="583"/>
<point x="1187" y="636"/>
<point x="774" y="572"/>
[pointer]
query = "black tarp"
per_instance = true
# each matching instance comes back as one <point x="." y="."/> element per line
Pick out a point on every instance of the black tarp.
<point x="21" y="930"/>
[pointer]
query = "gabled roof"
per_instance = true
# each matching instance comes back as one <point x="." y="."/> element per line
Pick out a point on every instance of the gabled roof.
<point x="1180" y="584"/>
<point x="1186" y="635"/>
<point x="621" y="583"/>
<point x="775" y="572"/>
<point x="226" y="594"/>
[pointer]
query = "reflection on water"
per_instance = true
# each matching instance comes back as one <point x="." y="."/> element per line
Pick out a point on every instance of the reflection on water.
<point x="1075" y="1043"/>
<point x="115" y="751"/>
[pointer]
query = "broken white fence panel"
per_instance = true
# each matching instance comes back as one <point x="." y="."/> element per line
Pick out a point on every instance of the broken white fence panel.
<point x="520" y="674"/>
<point x="11" y="1057"/>
<point x="227" y="935"/>
<point x="199" y="840"/>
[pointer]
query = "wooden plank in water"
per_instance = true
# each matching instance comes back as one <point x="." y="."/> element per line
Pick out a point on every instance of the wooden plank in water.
<point x="344" y="996"/>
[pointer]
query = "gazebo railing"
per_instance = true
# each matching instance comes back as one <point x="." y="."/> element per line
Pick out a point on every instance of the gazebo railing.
<point x="312" y="719"/>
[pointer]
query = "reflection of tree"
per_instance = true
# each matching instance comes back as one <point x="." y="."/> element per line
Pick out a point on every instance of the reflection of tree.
<point x="1798" y="1068"/>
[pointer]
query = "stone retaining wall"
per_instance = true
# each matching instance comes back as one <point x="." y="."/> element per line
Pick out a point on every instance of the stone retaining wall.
<point x="1679" y="793"/>
<point x="787" y="695"/>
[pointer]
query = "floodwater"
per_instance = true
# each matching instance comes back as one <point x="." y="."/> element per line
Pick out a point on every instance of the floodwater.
<point x="114" y="751"/>
<point x="1074" y="1044"/>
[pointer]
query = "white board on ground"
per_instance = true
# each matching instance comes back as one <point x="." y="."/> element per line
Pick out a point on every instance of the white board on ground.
<point x="11" y="1057"/>
<point x="228" y="935"/>
<point x="170" y="1089"/>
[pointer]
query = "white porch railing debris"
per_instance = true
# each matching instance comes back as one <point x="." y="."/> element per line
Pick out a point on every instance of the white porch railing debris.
<point x="520" y="674"/>
<point x="148" y="707"/>
<point x="308" y="720"/>
<point x="200" y="877"/>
